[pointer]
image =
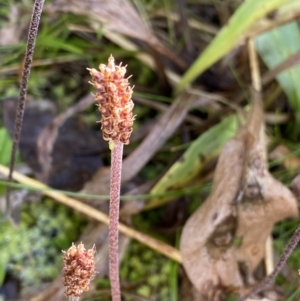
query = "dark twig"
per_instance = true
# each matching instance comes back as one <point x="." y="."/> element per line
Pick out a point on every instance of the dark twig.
<point x="282" y="260"/>
<point x="290" y="62"/>
<point x="33" y="28"/>
<point x="184" y="27"/>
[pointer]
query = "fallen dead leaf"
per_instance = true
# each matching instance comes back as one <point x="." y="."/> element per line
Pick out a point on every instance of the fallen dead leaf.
<point x="223" y="242"/>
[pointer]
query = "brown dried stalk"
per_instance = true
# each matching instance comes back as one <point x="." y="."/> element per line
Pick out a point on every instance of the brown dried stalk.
<point x="114" y="98"/>
<point x="33" y="28"/>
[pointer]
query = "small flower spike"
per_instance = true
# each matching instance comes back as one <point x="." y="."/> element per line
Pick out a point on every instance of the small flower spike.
<point x="79" y="270"/>
<point x="114" y="99"/>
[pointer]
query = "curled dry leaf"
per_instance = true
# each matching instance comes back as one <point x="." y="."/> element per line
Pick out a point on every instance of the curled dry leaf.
<point x="118" y="16"/>
<point x="223" y="241"/>
<point x="115" y="15"/>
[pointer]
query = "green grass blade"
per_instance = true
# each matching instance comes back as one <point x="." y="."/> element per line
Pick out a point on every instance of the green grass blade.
<point x="249" y="12"/>
<point x="201" y="151"/>
<point x="5" y="147"/>
<point x="276" y="46"/>
<point x="58" y="44"/>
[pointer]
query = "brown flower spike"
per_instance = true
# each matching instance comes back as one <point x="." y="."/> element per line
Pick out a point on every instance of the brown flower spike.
<point x="114" y="98"/>
<point x="79" y="270"/>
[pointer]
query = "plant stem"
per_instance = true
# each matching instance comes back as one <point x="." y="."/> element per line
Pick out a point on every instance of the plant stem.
<point x="115" y="186"/>
<point x="33" y="29"/>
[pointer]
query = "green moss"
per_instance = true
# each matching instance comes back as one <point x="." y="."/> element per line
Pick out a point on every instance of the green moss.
<point x="144" y="291"/>
<point x="147" y="272"/>
<point x="32" y="251"/>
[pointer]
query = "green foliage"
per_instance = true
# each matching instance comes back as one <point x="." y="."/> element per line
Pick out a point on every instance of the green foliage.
<point x="56" y="44"/>
<point x="295" y="295"/>
<point x="147" y="271"/>
<point x="143" y="272"/>
<point x="232" y="298"/>
<point x="288" y="37"/>
<point x="32" y="251"/>
<point x="5" y="149"/>
<point x="5" y="146"/>
<point x="247" y="14"/>
<point x="201" y="151"/>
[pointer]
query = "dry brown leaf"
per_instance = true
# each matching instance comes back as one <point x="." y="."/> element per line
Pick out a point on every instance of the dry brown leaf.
<point x="119" y="16"/>
<point x="223" y="241"/>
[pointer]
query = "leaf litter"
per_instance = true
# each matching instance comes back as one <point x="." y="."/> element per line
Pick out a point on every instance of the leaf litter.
<point x="227" y="234"/>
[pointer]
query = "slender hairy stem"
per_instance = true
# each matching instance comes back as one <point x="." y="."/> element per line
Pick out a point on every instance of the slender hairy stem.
<point x="33" y="29"/>
<point x="282" y="260"/>
<point x="115" y="186"/>
<point x="115" y="104"/>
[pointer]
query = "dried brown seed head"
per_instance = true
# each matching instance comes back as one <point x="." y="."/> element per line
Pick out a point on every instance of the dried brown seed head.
<point x="114" y="99"/>
<point x="79" y="269"/>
